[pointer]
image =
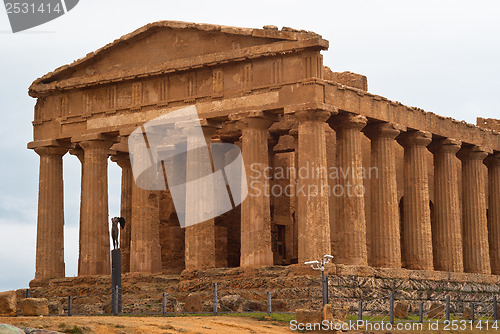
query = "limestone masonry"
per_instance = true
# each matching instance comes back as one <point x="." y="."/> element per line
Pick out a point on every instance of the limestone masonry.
<point x="432" y="202"/>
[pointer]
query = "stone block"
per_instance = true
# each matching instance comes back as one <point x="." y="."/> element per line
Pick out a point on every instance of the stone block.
<point x="334" y="312"/>
<point x="430" y="275"/>
<point x="399" y="273"/>
<point x="9" y="329"/>
<point x="436" y="311"/>
<point x="401" y="309"/>
<point x="194" y="302"/>
<point x="8" y="303"/>
<point x="354" y="270"/>
<point x="56" y="308"/>
<point x="466" y="314"/>
<point x="35" y="307"/>
<point x="232" y="303"/>
<point x="308" y="316"/>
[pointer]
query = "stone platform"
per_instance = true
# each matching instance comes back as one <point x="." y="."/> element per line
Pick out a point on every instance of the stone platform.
<point x="292" y="287"/>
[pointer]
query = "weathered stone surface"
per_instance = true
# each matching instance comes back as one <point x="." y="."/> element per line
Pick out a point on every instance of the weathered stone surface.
<point x="9" y="329"/>
<point x="56" y="308"/>
<point x="8" y="303"/>
<point x="308" y="316"/>
<point x="232" y="303"/>
<point x="35" y="307"/>
<point x="401" y="309"/>
<point x="436" y="311"/>
<point x="194" y="302"/>
<point x="335" y="312"/>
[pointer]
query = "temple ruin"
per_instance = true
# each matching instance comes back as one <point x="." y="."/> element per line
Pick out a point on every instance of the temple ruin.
<point x="434" y="203"/>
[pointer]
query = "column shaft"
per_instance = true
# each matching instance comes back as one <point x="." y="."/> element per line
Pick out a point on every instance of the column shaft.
<point x="312" y="186"/>
<point x="475" y="225"/>
<point x="256" y="242"/>
<point x="417" y="237"/>
<point x="145" y="252"/>
<point x="50" y="226"/>
<point x="350" y="227"/>
<point x="446" y="226"/>
<point x="494" y="211"/>
<point x="383" y="230"/>
<point x="123" y="160"/>
<point x="94" y="226"/>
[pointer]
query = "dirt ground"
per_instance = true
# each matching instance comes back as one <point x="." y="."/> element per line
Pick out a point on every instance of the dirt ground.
<point x="153" y="325"/>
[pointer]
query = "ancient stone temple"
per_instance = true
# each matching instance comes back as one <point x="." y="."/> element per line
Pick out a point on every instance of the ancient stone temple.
<point x="373" y="182"/>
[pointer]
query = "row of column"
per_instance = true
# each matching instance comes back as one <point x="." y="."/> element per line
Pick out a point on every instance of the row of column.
<point x="459" y="239"/>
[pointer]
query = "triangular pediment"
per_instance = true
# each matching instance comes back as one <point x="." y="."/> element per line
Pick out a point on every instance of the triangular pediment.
<point x="166" y="41"/>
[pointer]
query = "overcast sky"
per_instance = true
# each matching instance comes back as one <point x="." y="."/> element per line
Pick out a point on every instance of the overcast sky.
<point x="440" y="56"/>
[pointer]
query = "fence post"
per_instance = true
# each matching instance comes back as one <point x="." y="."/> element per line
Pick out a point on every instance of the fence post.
<point x="495" y="310"/>
<point x="360" y="310"/>
<point x="215" y="298"/>
<point x="324" y="286"/>
<point x="448" y="307"/>
<point x="28" y="293"/>
<point x="421" y="312"/>
<point x="391" y="307"/>
<point x="70" y="306"/>
<point x="114" y="300"/>
<point x="164" y="304"/>
<point x="269" y="303"/>
<point x="472" y="315"/>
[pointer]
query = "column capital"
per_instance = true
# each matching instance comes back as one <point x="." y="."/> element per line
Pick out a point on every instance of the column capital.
<point x="382" y="130"/>
<point x="51" y="150"/>
<point x="96" y="144"/>
<point x="493" y="159"/>
<point x="473" y="152"/>
<point x="414" y="138"/>
<point x="348" y="121"/>
<point x="312" y="115"/>
<point x="445" y="145"/>
<point x="78" y="151"/>
<point x="254" y="123"/>
<point x="122" y="159"/>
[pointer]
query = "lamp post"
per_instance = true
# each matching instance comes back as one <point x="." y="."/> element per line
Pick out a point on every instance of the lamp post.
<point x="320" y="265"/>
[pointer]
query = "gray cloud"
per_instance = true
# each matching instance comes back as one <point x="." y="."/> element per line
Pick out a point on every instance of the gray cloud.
<point x="440" y="56"/>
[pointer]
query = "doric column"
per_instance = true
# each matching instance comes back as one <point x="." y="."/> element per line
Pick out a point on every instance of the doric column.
<point x="475" y="225"/>
<point x="123" y="160"/>
<point x="50" y="227"/>
<point x="383" y="231"/>
<point x="205" y="242"/>
<point x="417" y="237"/>
<point x="446" y="226"/>
<point x="493" y="163"/>
<point x="312" y="185"/>
<point x="350" y="227"/>
<point x="145" y="251"/>
<point x="94" y="225"/>
<point x="256" y="240"/>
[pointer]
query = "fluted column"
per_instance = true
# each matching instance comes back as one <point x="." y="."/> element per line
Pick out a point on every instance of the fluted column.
<point x="94" y="225"/>
<point x="145" y="251"/>
<point x="50" y="226"/>
<point x="205" y="242"/>
<point x="446" y="225"/>
<point x="493" y="163"/>
<point x="123" y="160"/>
<point x="383" y="230"/>
<point x="417" y="237"/>
<point x="475" y="230"/>
<point x="350" y="227"/>
<point x="312" y="186"/>
<point x="256" y="242"/>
